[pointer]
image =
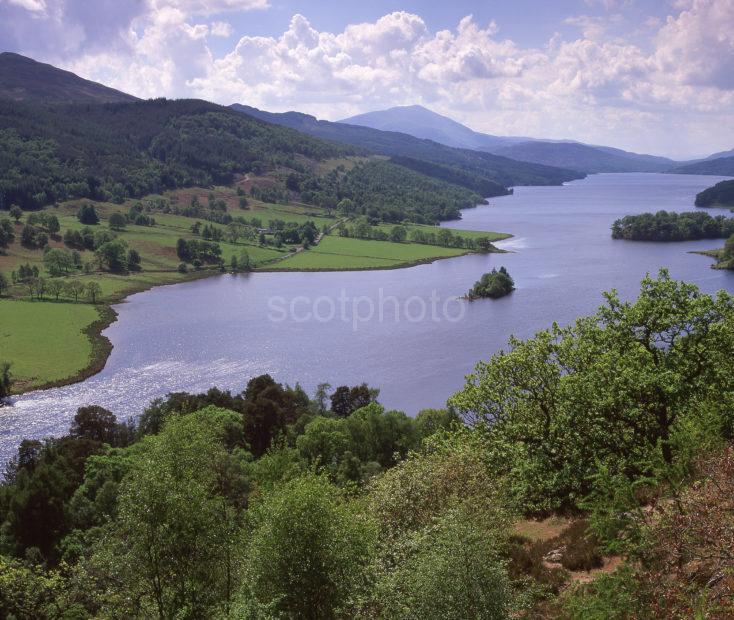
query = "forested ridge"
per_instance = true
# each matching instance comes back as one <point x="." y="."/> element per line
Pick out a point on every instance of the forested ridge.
<point x="475" y="167"/>
<point x="52" y="153"/>
<point x="111" y="152"/>
<point x="61" y="144"/>
<point x="274" y="504"/>
<point x="721" y="194"/>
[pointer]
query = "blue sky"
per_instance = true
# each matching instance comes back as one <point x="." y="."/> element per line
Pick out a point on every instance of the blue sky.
<point x="651" y="76"/>
<point x="528" y="22"/>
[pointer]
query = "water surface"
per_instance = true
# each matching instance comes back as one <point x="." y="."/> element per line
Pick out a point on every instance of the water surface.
<point x="218" y="331"/>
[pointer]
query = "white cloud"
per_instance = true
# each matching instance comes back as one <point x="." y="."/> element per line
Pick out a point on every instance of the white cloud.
<point x="209" y="7"/>
<point x="221" y="29"/>
<point x="35" y="6"/>
<point x="698" y="45"/>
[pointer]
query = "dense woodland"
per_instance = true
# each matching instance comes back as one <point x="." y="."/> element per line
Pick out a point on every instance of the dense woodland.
<point x="470" y="168"/>
<point x="721" y="194"/>
<point x="110" y="152"/>
<point x="273" y="504"/>
<point x="672" y="226"/>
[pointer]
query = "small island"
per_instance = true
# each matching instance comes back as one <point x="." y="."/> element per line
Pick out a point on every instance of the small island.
<point x="494" y="284"/>
<point x="720" y="195"/>
<point x="671" y="226"/>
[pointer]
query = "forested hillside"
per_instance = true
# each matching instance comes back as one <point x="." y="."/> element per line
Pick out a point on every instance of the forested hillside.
<point x="723" y="166"/>
<point x="109" y="152"/>
<point x="61" y="139"/>
<point x="587" y="159"/>
<point x="721" y="194"/>
<point x="477" y="167"/>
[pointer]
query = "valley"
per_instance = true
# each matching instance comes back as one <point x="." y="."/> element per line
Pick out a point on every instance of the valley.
<point x="261" y="365"/>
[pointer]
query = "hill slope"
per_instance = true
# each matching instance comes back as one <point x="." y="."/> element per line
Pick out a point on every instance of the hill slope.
<point x="476" y="170"/>
<point x="720" y="154"/>
<point x="423" y="123"/>
<point x="24" y="79"/>
<point x="722" y="166"/>
<point x="585" y="158"/>
<point x="721" y="194"/>
<point x="109" y="146"/>
<point x="111" y="151"/>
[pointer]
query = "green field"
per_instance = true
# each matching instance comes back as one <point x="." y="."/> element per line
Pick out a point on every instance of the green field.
<point x="466" y="234"/>
<point x="45" y="341"/>
<point x="347" y="253"/>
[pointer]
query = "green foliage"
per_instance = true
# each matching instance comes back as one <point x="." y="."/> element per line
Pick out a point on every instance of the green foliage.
<point x="612" y="388"/>
<point x="117" y="221"/>
<point x="58" y="261"/>
<point x="443" y="532"/>
<point x="196" y="250"/>
<point x="174" y="544"/>
<point x="454" y="569"/>
<point x="403" y="194"/>
<point x="5" y="379"/>
<point x="7" y="233"/>
<point x="356" y="446"/>
<point x="721" y="194"/>
<point x="609" y="597"/>
<point x="87" y="214"/>
<point x="494" y="284"/>
<point x="309" y="552"/>
<point x="671" y="226"/>
<point x="112" y="255"/>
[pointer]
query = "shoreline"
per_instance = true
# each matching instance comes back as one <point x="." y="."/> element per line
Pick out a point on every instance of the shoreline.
<point x="102" y="346"/>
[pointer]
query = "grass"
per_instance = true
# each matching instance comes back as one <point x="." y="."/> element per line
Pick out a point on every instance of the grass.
<point x="348" y="253"/>
<point x="45" y="341"/>
<point x="718" y="256"/>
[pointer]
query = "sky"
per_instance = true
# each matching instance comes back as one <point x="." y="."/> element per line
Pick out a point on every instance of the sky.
<point x="652" y="76"/>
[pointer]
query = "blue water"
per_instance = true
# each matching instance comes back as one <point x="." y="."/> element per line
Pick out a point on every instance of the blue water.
<point x="224" y="330"/>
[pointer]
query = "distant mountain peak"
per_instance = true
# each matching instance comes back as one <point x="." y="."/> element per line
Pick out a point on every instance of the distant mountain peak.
<point x="421" y="122"/>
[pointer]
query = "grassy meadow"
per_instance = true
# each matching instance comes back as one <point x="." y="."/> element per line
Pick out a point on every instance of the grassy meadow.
<point x="45" y="341"/>
<point x="335" y="253"/>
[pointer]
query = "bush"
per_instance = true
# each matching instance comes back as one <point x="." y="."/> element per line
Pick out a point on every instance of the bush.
<point x="87" y="214"/>
<point x="309" y="551"/>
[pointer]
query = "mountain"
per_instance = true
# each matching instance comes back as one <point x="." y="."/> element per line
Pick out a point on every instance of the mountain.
<point x="24" y="79"/>
<point x="477" y="170"/>
<point x="722" y="166"/>
<point x="423" y="123"/>
<point x="721" y="154"/>
<point x="588" y="159"/>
